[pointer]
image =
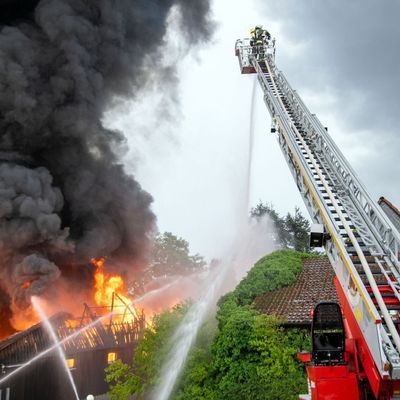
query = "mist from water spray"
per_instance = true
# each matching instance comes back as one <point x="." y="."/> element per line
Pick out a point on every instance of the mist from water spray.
<point x="45" y="320"/>
<point x="55" y="346"/>
<point x="186" y="333"/>
<point x="155" y="292"/>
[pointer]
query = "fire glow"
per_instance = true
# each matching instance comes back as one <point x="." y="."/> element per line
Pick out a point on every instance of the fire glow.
<point x="26" y="284"/>
<point x="110" y="290"/>
<point x="106" y="285"/>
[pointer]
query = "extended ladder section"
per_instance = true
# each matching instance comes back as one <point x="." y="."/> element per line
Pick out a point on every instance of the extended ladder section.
<point x="364" y="245"/>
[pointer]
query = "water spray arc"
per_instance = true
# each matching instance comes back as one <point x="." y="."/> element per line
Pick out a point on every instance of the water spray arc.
<point x="55" y="346"/>
<point x="251" y="143"/>
<point x="155" y="292"/>
<point x="50" y="330"/>
<point x="186" y="334"/>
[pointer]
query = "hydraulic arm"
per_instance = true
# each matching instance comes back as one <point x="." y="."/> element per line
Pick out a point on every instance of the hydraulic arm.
<point x="361" y="242"/>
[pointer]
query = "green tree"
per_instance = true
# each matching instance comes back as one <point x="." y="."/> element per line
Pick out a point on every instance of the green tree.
<point x="279" y="236"/>
<point x="292" y="231"/>
<point x="254" y="358"/>
<point x="298" y="230"/>
<point x="271" y="272"/>
<point x="171" y="256"/>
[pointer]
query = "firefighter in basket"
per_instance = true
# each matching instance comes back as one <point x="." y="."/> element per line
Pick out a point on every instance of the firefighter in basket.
<point x="259" y="37"/>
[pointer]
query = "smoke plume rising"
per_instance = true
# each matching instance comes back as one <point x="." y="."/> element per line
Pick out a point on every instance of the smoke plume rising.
<point x="64" y="195"/>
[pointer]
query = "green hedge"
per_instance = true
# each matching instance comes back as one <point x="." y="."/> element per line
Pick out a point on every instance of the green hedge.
<point x="251" y="357"/>
<point x="271" y="272"/>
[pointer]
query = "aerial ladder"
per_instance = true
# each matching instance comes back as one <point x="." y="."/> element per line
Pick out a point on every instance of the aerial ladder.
<point x="355" y="346"/>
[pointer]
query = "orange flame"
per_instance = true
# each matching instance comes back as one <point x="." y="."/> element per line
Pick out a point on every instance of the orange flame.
<point x="26" y="284"/>
<point x="106" y="285"/>
<point x="110" y="290"/>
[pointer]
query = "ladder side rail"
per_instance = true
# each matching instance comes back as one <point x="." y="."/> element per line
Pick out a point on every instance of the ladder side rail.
<point x="330" y="170"/>
<point x="384" y="231"/>
<point x="342" y="163"/>
<point x="334" y="179"/>
<point x="286" y="121"/>
<point x="382" y="307"/>
<point x="365" y="227"/>
<point x="276" y="110"/>
<point x="291" y="135"/>
<point x="289" y="129"/>
<point x="381" y="227"/>
<point x="272" y="104"/>
<point x="303" y="187"/>
<point x="331" y="145"/>
<point x="370" y="207"/>
<point x="370" y="328"/>
<point x="369" y="325"/>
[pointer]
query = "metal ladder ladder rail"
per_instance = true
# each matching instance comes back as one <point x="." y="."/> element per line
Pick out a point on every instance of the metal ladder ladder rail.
<point x="356" y="212"/>
<point x="379" y="223"/>
<point x="339" y="183"/>
<point x="372" y="283"/>
<point x="290" y="114"/>
<point x="384" y="283"/>
<point x="291" y="153"/>
<point x="326" y="171"/>
<point x="388" y="271"/>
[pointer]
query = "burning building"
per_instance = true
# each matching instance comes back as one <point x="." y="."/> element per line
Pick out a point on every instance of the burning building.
<point x="65" y="196"/>
<point x="94" y="344"/>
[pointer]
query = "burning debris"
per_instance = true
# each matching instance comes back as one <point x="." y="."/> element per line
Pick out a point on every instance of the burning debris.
<point x="64" y="195"/>
<point x="110" y="289"/>
<point x="90" y="343"/>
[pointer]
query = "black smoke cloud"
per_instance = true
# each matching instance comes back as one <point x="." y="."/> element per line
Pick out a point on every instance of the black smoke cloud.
<point x="64" y="195"/>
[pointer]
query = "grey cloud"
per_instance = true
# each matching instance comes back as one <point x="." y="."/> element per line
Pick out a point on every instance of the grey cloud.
<point x="351" y="48"/>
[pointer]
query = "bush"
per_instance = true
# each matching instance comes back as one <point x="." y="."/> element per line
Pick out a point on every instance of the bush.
<point x="151" y="352"/>
<point x="271" y="272"/>
<point x="252" y="356"/>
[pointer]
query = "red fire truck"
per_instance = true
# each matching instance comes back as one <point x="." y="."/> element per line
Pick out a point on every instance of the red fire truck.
<point x="355" y="345"/>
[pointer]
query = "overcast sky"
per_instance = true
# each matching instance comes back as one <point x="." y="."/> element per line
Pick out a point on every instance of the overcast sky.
<point x="341" y="56"/>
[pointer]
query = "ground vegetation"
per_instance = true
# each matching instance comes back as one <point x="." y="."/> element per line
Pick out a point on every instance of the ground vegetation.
<point x="242" y="355"/>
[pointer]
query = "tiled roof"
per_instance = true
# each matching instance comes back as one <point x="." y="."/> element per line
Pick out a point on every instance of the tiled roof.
<point x="293" y="303"/>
